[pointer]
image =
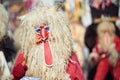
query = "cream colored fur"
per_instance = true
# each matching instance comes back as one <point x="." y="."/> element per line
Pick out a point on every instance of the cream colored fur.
<point x="105" y="26"/>
<point x="61" y="47"/>
<point x="113" y="55"/>
<point x="78" y="33"/>
<point x="3" y="21"/>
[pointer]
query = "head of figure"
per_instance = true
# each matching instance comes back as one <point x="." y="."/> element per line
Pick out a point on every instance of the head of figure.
<point x="44" y="29"/>
<point x="106" y="27"/>
<point x="43" y="23"/>
<point x="106" y="34"/>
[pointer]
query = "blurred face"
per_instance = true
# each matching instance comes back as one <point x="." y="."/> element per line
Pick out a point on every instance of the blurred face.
<point x="107" y="38"/>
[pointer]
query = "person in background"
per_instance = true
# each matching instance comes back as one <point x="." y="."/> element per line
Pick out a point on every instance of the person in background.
<point x="100" y="10"/>
<point x="106" y="52"/>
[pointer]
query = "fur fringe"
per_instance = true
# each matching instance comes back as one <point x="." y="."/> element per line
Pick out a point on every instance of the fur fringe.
<point x="113" y="55"/>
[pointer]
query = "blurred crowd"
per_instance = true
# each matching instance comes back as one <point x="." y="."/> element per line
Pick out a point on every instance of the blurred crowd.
<point x="95" y="27"/>
<point x="89" y="30"/>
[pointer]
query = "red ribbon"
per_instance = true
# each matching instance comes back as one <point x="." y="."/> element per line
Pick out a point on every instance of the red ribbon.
<point x="47" y="54"/>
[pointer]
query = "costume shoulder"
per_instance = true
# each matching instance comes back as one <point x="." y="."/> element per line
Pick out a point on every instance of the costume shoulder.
<point x="74" y="68"/>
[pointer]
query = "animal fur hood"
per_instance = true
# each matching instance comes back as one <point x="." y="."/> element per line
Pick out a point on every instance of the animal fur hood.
<point x="59" y="39"/>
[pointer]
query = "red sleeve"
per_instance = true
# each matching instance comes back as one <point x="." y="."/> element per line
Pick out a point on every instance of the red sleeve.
<point x="117" y="44"/>
<point x="19" y="70"/>
<point x="19" y="59"/>
<point x="74" y="68"/>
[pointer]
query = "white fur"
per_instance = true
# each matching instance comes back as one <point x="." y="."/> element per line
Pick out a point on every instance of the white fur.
<point x="3" y="21"/>
<point x="61" y="46"/>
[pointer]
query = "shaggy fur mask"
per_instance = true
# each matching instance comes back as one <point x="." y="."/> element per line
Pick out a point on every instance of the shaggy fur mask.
<point x="59" y="38"/>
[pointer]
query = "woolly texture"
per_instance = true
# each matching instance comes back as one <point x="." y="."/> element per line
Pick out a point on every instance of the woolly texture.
<point x="60" y="46"/>
<point x="3" y="21"/>
<point x="113" y="55"/>
<point x="78" y="40"/>
<point x="102" y="27"/>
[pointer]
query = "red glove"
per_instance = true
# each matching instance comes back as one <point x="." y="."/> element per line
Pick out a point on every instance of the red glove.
<point x="19" y="71"/>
